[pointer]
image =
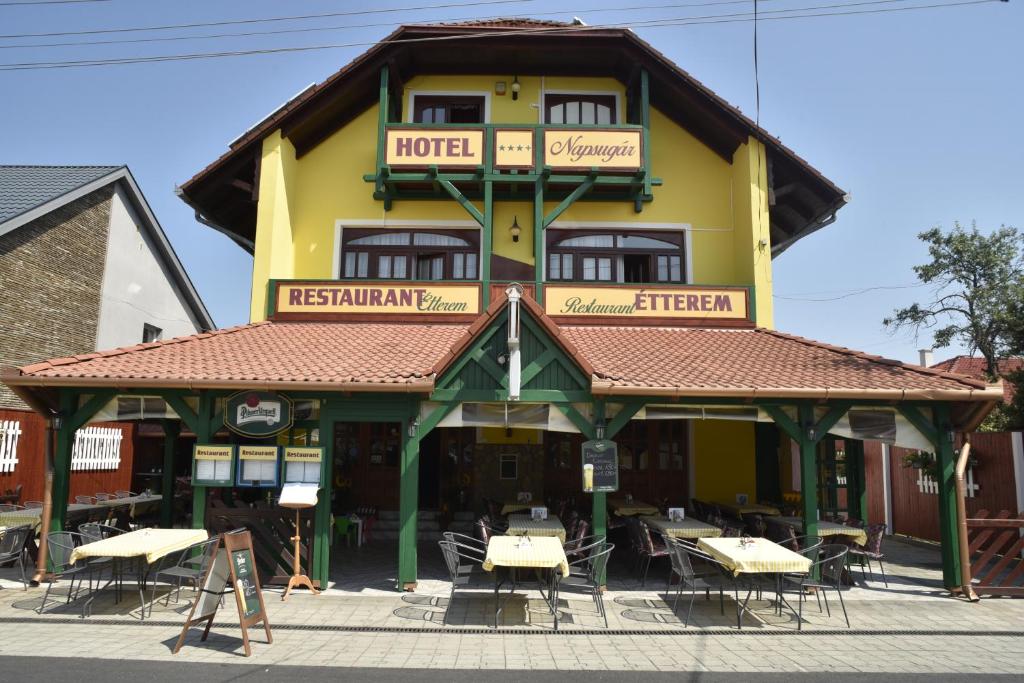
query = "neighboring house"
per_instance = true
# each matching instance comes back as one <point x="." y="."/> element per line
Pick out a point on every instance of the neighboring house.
<point x="84" y="265"/>
<point x="974" y="366"/>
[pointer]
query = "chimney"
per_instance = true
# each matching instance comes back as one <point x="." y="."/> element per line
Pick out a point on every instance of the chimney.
<point x="926" y="357"/>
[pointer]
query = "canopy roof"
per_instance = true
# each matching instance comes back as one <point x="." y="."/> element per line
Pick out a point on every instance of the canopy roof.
<point x="224" y="193"/>
<point x="695" y="363"/>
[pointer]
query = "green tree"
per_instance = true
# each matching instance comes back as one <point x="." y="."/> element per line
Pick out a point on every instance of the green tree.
<point x="978" y="285"/>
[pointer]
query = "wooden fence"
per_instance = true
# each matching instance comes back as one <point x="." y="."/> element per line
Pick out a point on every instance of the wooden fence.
<point x="996" y="545"/>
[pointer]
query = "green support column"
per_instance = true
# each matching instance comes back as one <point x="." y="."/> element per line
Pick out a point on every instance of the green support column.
<point x="599" y="511"/>
<point x="856" y="491"/>
<point x="172" y="428"/>
<point x="205" y="429"/>
<point x="322" y="544"/>
<point x="538" y="217"/>
<point x="488" y="228"/>
<point x="62" y="460"/>
<point x="948" y="532"/>
<point x="409" y="490"/>
<point x="808" y="469"/>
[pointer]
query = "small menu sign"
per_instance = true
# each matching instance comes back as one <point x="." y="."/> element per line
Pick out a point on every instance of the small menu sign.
<point x="212" y="465"/>
<point x="302" y="464"/>
<point x="258" y="465"/>
<point x="600" y="466"/>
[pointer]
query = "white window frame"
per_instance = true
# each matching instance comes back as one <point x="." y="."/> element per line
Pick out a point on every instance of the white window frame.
<point x="501" y="459"/>
<point x="413" y="94"/>
<point x="619" y="114"/>
<point x="385" y="224"/>
<point x="614" y="227"/>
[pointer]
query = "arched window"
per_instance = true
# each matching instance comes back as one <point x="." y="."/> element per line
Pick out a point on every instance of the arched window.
<point x="579" y="109"/>
<point x="410" y="255"/>
<point x="609" y="256"/>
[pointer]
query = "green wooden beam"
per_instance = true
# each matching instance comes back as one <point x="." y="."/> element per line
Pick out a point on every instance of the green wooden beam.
<point x="948" y="524"/>
<point x="622" y="418"/>
<point x="599" y="502"/>
<point x="645" y="121"/>
<point x="184" y="411"/>
<point x="382" y="122"/>
<point x="537" y="365"/>
<point x="581" y="190"/>
<point x="322" y="516"/>
<point x="856" y="491"/>
<point x="785" y="422"/>
<point x="488" y="236"/>
<point x="576" y="417"/>
<point x="808" y="469"/>
<point x="463" y="200"/>
<point x="172" y="429"/>
<point x="88" y="409"/>
<point x="68" y="401"/>
<point x="204" y="432"/>
<point x="921" y="423"/>
<point x="829" y="420"/>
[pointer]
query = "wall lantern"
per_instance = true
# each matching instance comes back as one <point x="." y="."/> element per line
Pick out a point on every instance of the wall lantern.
<point x="514" y="229"/>
<point x="515" y="87"/>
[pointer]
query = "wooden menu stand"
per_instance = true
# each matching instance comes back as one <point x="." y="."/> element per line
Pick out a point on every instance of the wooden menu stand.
<point x="297" y="578"/>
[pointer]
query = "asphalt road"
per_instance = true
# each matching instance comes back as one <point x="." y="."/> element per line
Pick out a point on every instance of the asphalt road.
<point x="60" y="669"/>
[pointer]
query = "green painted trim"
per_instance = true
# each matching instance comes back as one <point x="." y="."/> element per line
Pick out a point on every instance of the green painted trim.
<point x="829" y="420"/>
<point x="921" y="423"/>
<point x="205" y="429"/>
<point x="68" y="400"/>
<point x="172" y="429"/>
<point x="645" y="122"/>
<point x="577" y="193"/>
<point x="808" y="470"/>
<point x="454" y="370"/>
<point x="576" y="417"/>
<point x="183" y="410"/>
<point x="408" y="503"/>
<point x="487" y="248"/>
<point x="510" y="179"/>
<point x="535" y="367"/>
<point x="457" y="195"/>
<point x="948" y="524"/>
<point x="86" y="412"/>
<point x="382" y="122"/>
<point x="525" y="396"/>
<point x="434" y="418"/>
<point x="856" y="491"/>
<point x="785" y="422"/>
<point x="622" y="418"/>
<point x="599" y="499"/>
<point x="487" y="364"/>
<point x="570" y="365"/>
<point x="322" y="517"/>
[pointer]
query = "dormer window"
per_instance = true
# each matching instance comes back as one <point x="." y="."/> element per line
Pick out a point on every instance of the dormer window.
<point x="579" y="109"/>
<point x="410" y="254"/>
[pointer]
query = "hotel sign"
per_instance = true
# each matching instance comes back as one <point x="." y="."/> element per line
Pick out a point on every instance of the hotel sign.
<point x="639" y="303"/>
<point x="329" y="299"/>
<point x="448" y="148"/>
<point x="584" y="148"/>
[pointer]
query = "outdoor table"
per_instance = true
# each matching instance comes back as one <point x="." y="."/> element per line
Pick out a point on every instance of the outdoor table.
<point x="758" y="556"/>
<point x="624" y="508"/>
<point x="515" y="552"/>
<point x="686" y="528"/>
<point x="33" y="516"/>
<point x="738" y="509"/>
<point x="136" y="504"/>
<point x="856" y="534"/>
<point x="145" y="545"/>
<point x="524" y="525"/>
<point x="509" y="508"/>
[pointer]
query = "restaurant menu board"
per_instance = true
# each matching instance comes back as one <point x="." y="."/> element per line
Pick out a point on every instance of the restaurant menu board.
<point x="600" y="466"/>
<point x="302" y="464"/>
<point x="258" y="465"/>
<point x="232" y="566"/>
<point x="212" y="465"/>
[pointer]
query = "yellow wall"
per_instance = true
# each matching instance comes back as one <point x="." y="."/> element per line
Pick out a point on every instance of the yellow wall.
<point x="302" y="200"/>
<point x="723" y="455"/>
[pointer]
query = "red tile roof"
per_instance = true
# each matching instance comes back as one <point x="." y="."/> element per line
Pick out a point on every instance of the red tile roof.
<point x="357" y="356"/>
<point x="974" y="366"/>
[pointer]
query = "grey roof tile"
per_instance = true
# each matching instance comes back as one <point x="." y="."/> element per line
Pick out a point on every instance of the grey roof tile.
<point x="23" y="188"/>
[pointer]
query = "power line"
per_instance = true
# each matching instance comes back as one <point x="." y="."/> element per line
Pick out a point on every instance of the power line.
<point x="236" y="22"/>
<point x="337" y="27"/>
<point x="856" y="292"/>
<point x="47" y="2"/>
<point x="657" y="23"/>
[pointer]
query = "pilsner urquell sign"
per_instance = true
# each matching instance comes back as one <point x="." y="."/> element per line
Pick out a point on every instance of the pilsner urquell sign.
<point x="257" y="413"/>
<point x="332" y="298"/>
<point x="698" y="303"/>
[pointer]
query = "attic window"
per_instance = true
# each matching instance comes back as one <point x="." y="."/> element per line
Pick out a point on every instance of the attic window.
<point x="576" y="109"/>
<point x="448" y="109"/>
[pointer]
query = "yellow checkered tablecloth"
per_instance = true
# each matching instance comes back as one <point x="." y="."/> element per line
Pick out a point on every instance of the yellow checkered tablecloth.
<point x="857" y="535"/>
<point x="687" y="528"/>
<point x="750" y="509"/>
<point x="760" y="557"/>
<point x="509" y="508"/>
<point x="539" y="552"/>
<point x="522" y="525"/>
<point x="623" y="508"/>
<point x="149" y="543"/>
<point x="33" y="516"/>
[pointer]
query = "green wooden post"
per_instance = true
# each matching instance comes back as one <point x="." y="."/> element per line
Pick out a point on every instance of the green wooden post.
<point x="205" y="429"/>
<point x="488" y="228"/>
<point x="948" y="532"/>
<point x="808" y="468"/>
<point x="538" y="216"/>
<point x="856" y="491"/>
<point x="645" y="120"/>
<point x="599" y="511"/>
<point x="62" y="459"/>
<point x="382" y="120"/>
<point x="322" y="543"/>
<point x="172" y="428"/>
<point x="409" y="490"/>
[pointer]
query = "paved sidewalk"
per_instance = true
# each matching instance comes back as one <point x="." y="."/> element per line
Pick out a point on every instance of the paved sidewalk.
<point x="911" y="626"/>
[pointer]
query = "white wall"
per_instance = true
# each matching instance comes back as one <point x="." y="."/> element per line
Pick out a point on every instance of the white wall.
<point x="137" y="288"/>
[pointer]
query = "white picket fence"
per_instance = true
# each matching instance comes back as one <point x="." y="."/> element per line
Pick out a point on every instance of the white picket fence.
<point x="97" y="448"/>
<point x="10" y="430"/>
<point x="926" y="484"/>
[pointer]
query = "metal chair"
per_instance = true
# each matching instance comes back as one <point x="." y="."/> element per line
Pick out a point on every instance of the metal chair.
<point x="460" y="560"/>
<point x="191" y="565"/>
<point x="688" y="579"/>
<point x="585" y="573"/>
<point x="125" y="494"/>
<point x="33" y="504"/>
<point x="60" y="545"/>
<point x="872" y="550"/>
<point x="825" y="574"/>
<point x="85" y="500"/>
<point x="465" y="539"/>
<point x="13" y="547"/>
<point x="103" y="496"/>
<point x="649" y="550"/>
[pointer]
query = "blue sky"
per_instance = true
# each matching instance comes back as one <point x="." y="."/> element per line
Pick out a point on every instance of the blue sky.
<point x="915" y="114"/>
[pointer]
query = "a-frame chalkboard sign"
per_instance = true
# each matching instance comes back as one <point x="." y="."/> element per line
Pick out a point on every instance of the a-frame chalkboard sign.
<point x="232" y="562"/>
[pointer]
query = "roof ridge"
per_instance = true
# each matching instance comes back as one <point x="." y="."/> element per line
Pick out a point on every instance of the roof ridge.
<point x="963" y="379"/>
<point x="82" y="357"/>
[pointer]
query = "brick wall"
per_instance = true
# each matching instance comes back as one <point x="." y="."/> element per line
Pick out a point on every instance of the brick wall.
<point x="52" y="275"/>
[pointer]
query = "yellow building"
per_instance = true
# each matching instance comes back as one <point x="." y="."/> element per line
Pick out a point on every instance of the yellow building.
<point x="477" y="247"/>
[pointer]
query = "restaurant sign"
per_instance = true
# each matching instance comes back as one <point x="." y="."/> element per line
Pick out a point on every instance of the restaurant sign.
<point x="315" y="299"/>
<point x="447" y="148"/>
<point x="633" y="303"/>
<point x="257" y="413"/>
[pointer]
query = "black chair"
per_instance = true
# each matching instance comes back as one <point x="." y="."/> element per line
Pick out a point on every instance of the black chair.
<point x="13" y="547"/>
<point x="460" y="560"/>
<point x="586" y="571"/>
<point x="826" y="573"/>
<point x="59" y="546"/>
<point x="191" y="565"/>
